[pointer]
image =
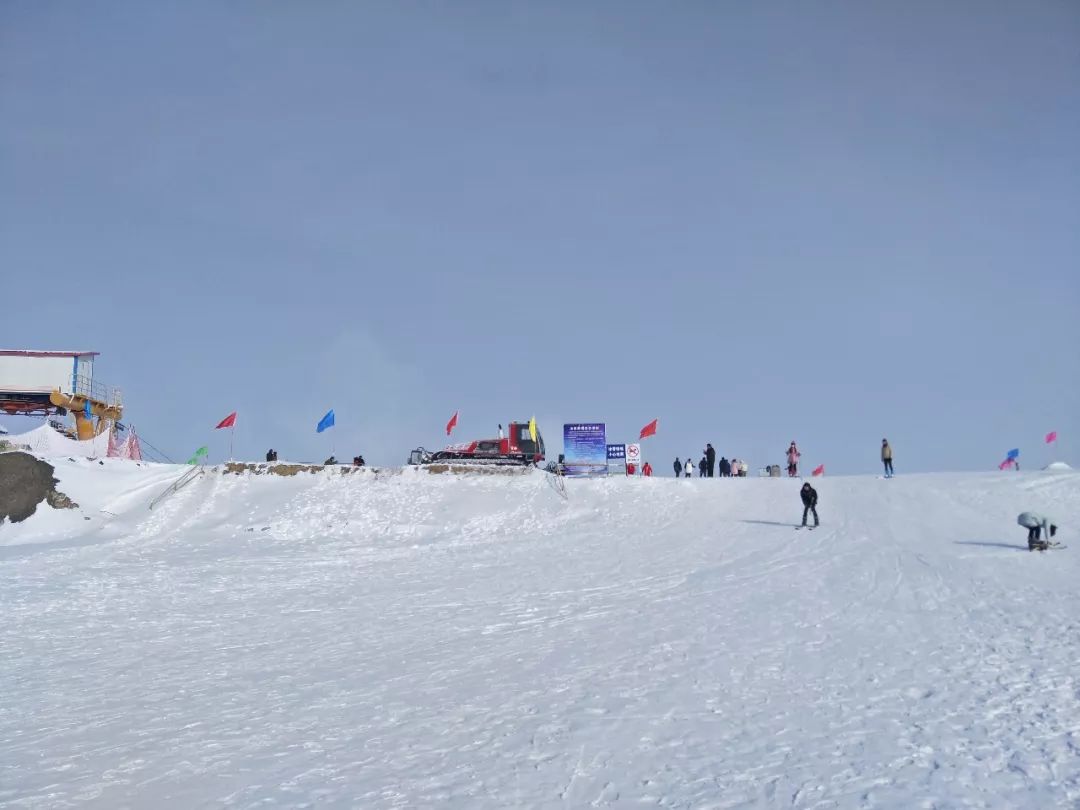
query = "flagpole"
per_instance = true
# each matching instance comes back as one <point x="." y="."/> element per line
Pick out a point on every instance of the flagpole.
<point x="232" y="433"/>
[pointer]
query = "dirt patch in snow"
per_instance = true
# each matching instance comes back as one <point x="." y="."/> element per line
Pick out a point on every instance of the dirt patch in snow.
<point x="26" y="481"/>
<point x="238" y="468"/>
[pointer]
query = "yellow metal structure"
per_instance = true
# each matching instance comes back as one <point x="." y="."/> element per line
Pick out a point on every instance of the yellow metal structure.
<point x="84" y="425"/>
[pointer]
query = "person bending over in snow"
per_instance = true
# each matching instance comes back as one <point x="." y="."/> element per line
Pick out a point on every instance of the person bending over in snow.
<point x="809" y="502"/>
<point x="1036" y="524"/>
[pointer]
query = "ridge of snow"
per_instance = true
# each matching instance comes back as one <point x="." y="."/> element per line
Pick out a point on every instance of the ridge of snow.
<point x="382" y="640"/>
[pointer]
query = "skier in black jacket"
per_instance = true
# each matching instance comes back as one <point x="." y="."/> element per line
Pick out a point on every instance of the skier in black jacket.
<point x="710" y="459"/>
<point x="678" y="468"/>
<point x="809" y="502"/>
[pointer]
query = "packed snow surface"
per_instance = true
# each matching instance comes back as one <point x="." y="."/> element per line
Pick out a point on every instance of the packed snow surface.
<point x="412" y="640"/>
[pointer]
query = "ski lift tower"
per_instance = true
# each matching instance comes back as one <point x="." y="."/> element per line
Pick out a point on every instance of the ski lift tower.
<point x="52" y="382"/>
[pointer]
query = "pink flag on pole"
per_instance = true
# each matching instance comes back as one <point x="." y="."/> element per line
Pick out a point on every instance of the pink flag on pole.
<point x="1051" y="437"/>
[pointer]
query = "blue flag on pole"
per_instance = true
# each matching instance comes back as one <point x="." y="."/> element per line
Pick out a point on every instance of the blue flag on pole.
<point x="1014" y="453"/>
<point x="326" y="422"/>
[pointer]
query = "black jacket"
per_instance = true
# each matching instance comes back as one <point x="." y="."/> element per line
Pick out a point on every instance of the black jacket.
<point x="808" y="495"/>
<point x="678" y="467"/>
<point x="710" y="455"/>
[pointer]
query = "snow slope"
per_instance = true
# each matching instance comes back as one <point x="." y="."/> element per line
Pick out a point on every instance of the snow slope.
<point x="415" y="640"/>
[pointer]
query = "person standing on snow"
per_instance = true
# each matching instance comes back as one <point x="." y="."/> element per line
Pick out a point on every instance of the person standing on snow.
<point x="1036" y="524"/>
<point x="678" y="468"/>
<point x="793" y="455"/>
<point x="725" y="467"/>
<point x="688" y="467"/>
<point x="886" y="457"/>
<point x="809" y="502"/>
<point x="702" y="466"/>
<point x="646" y="469"/>
<point x="710" y="459"/>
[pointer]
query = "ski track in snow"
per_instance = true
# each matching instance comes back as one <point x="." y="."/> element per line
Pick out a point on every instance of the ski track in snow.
<point x="472" y="641"/>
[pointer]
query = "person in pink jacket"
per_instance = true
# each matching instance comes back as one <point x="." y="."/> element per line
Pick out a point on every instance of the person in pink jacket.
<point x="793" y="455"/>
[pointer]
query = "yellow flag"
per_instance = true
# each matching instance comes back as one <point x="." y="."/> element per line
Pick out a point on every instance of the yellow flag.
<point x="532" y="428"/>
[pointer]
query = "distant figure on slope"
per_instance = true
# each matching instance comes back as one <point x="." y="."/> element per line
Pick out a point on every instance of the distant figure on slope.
<point x="271" y="454"/>
<point x="702" y="466"/>
<point x="809" y="502"/>
<point x="793" y="455"/>
<point x="678" y="468"/>
<point x="725" y="467"/>
<point x="646" y="469"/>
<point x="330" y="461"/>
<point x="1036" y="524"/>
<point x="886" y="457"/>
<point x="710" y="459"/>
<point x="688" y="468"/>
<point x="358" y="461"/>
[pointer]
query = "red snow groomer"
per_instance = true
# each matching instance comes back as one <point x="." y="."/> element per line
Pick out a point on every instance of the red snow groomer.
<point x="516" y="449"/>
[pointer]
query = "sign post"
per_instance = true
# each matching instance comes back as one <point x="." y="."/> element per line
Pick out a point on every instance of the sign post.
<point x="616" y="458"/>
<point x="585" y="448"/>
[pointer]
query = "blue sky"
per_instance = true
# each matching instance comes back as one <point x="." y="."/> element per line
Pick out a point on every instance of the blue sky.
<point x="827" y="222"/>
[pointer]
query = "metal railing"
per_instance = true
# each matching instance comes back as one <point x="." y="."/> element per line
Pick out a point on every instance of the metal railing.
<point x="88" y="387"/>
<point x="177" y="485"/>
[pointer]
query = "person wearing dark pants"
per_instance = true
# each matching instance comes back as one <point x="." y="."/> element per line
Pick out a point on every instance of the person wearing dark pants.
<point x="710" y="459"/>
<point x="1036" y="524"/>
<point x="886" y="457"/>
<point x="809" y="502"/>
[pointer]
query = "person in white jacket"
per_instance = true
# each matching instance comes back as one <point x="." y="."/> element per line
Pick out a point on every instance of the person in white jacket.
<point x="1036" y="524"/>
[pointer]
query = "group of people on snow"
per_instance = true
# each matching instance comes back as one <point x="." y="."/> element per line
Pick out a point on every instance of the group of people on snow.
<point x="708" y="466"/>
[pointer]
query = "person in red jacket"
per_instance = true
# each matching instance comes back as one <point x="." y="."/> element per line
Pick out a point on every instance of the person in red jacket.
<point x="646" y="469"/>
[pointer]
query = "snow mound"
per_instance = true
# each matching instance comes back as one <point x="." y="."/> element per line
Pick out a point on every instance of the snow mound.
<point x="1057" y="466"/>
<point x="413" y="640"/>
<point x="48" y="443"/>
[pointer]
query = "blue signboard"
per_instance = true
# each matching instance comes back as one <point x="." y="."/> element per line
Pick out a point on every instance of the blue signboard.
<point x="616" y="452"/>
<point x="585" y="448"/>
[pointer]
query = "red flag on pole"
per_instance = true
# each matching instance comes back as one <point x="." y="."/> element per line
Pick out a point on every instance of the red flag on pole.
<point x="1051" y="437"/>
<point x="649" y="429"/>
<point x="819" y="470"/>
<point x="452" y="423"/>
<point x="228" y="421"/>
